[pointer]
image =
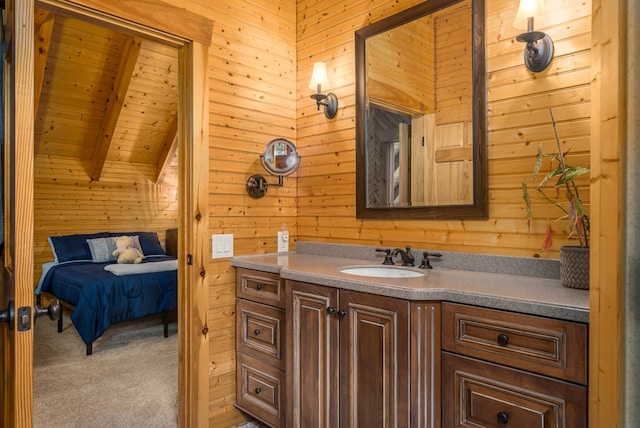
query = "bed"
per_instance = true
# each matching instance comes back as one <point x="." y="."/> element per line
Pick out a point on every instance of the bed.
<point x="86" y="278"/>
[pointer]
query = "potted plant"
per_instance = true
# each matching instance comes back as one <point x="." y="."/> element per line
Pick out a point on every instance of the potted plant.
<point x="574" y="259"/>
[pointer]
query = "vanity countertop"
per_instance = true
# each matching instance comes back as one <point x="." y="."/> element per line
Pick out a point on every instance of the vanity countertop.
<point x="529" y="295"/>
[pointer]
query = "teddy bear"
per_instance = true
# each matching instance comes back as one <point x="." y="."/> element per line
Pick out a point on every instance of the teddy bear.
<point x="126" y="252"/>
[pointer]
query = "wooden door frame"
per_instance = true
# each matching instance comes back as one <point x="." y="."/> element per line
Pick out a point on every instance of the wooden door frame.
<point x="17" y="266"/>
<point x="191" y="34"/>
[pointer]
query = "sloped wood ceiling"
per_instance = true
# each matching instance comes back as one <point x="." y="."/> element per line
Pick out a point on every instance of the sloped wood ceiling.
<point x="103" y="97"/>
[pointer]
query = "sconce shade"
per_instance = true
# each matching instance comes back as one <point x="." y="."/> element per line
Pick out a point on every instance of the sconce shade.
<point x="527" y="9"/>
<point x="328" y="101"/>
<point x="319" y="76"/>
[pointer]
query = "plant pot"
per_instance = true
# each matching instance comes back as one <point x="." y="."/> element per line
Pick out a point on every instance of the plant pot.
<point x="574" y="267"/>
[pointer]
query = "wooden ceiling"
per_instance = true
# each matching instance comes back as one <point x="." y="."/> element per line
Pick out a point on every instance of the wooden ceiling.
<point x="103" y="97"/>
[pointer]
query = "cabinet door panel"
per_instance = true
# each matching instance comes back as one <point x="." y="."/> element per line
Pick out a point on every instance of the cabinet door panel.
<point x="260" y="390"/>
<point x="313" y="349"/>
<point x="479" y="394"/>
<point x="374" y="340"/>
<point x="259" y="332"/>
<point x="263" y="287"/>
<point x="541" y="345"/>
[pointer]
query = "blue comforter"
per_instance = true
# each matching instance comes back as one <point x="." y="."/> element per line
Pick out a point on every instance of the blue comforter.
<point x="102" y="298"/>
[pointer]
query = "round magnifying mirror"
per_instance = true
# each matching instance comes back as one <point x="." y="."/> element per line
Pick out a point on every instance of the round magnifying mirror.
<point x="280" y="157"/>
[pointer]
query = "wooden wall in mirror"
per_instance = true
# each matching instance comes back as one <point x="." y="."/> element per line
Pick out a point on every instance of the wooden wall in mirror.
<point x="421" y="113"/>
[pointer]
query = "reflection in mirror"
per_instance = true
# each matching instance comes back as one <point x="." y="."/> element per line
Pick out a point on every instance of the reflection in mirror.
<point x="280" y="157"/>
<point x="421" y="113"/>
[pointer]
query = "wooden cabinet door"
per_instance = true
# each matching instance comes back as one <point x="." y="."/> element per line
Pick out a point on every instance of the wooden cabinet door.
<point x="312" y="349"/>
<point x="374" y="361"/>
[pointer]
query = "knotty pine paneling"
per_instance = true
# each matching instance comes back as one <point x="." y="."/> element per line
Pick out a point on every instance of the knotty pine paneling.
<point x="252" y="79"/>
<point x="518" y="121"/>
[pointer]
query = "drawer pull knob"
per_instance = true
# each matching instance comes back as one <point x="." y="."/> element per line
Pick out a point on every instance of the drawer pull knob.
<point x="257" y="331"/>
<point x="259" y="287"/>
<point x="503" y="417"/>
<point x="258" y="390"/>
<point x="331" y="310"/>
<point x="503" y="339"/>
<point x="342" y="313"/>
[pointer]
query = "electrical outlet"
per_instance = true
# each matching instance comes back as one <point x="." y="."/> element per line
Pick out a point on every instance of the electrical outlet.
<point x="222" y="246"/>
<point x="283" y="241"/>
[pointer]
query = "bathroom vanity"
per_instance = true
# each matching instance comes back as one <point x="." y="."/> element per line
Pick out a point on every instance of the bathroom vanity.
<point x="320" y="347"/>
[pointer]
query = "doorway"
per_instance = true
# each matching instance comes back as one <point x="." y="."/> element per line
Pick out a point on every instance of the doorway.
<point x="193" y="175"/>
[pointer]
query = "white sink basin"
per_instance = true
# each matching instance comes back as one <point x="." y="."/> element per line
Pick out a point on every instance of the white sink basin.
<point x="381" y="272"/>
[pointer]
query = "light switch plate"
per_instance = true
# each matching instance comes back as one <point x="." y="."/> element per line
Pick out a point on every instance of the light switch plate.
<point x="222" y="246"/>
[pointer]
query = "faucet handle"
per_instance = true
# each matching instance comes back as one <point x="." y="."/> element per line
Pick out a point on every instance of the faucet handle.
<point x="426" y="264"/>
<point x="388" y="260"/>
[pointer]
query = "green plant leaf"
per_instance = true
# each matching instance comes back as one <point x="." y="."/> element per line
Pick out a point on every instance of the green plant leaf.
<point x="527" y="200"/>
<point x="556" y="172"/>
<point x="570" y="173"/>
<point x="538" y="164"/>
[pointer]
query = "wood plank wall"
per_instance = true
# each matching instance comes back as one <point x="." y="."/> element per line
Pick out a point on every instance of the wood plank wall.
<point x="518" y="120"/>
<point x="252" y="80"/>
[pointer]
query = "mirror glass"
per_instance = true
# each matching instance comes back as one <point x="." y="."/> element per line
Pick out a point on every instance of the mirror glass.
<point x="280" y="157"/>
<point x="421" y="113"/>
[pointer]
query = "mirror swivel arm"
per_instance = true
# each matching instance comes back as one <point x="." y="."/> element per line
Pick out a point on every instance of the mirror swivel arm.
<point x="257" y="185"/>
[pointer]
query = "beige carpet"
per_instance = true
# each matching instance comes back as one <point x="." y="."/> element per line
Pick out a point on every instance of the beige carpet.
<point x="131" y="380"/>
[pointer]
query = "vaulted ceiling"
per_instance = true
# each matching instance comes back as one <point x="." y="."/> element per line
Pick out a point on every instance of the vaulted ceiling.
<point x="103" y="97"/>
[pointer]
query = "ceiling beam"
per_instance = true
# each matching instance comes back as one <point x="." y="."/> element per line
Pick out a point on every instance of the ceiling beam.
<point x="128" y="62"/>
<point x="168" y="150"/>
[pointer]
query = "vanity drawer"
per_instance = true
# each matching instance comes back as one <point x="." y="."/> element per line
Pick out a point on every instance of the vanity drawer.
<point x="260" y="331"/>
<point x="260" y="390"/>
<point x="546" y="346"/>
<point x="478" y="394"/>
<point x="263" y="287"/>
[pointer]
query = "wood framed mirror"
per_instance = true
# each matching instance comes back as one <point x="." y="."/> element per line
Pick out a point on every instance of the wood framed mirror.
<point x="421" y="114"/>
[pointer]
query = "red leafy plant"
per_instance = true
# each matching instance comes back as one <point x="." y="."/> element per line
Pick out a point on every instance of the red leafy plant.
<point x="560" y="178"/>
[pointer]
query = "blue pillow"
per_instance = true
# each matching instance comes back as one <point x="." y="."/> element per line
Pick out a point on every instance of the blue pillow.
<point x="148" y="241"/>
<point x="73" y="247"/>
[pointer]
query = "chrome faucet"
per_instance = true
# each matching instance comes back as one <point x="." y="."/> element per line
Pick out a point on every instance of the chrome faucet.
<point x="405" y="255"/>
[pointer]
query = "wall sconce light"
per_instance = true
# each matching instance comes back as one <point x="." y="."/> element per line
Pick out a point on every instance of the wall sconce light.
<point x="329" y="101"/>
<point x="539" y="50"/>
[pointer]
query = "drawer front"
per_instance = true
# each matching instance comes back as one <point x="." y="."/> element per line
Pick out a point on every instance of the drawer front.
<point x="546" y="346"/>
<point x="260" y="390"/>
<point x="260" y="331"/>
<point x="262" y="287"/>
<point x="478" y="394"/>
